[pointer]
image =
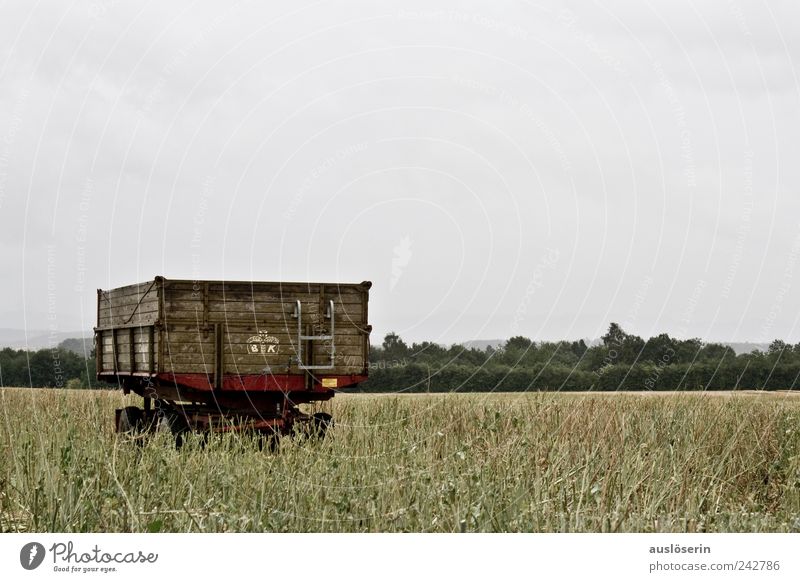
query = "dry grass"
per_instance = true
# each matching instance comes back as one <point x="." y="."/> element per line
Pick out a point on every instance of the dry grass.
<point x="510" y="462"/>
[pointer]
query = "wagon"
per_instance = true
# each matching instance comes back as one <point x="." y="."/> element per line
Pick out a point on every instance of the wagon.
<point x="230" y="355"/>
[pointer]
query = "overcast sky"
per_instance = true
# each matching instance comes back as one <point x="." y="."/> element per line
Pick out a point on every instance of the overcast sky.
<point x="494" y="170"/>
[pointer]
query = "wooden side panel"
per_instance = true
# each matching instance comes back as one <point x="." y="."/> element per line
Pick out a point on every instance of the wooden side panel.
<point x="260" y="302"/>
<point x="250" y="349"/>
<point x="114" y="350"/>
<point x="259" y="327"/>
<point x="131" y="305"/>
<point x="173" y="327"/>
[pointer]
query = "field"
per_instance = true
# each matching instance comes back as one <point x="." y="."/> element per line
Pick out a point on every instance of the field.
<point x="445" y="463"/>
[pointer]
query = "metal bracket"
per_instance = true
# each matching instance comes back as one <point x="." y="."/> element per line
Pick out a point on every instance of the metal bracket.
<point x="298" y="312"/>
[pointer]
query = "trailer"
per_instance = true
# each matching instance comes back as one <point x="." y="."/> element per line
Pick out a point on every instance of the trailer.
<point x="230" y="355"/>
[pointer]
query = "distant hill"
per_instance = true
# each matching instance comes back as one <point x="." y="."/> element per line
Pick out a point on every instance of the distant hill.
<point x="80" y="346"/>
<point x="746" y="347"/>
<point x="38" y="339"/>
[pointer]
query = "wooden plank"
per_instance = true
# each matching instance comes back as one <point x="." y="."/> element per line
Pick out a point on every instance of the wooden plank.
<point x="120" y="323"/>
<point x="187" y="295"/>
<point x="190" y="346"/>
<point x="184" y="334"/>
<point x="276" y="289"/>
<point x="204" y="351"/>
<point x="127" y="315"/>
<point x="196" y="359"/>
<point x="127" y="321"/>
<point x="194" y="354"/>
<point x="243" y="318"/>
<point x="248" y="311"/>
<point x="176" y="340"/>
<point x="134" y="290"/>
<point x="219" y="358"/>
<point x="121" y="339"/>
<point x="128" y="309"/>
<point x="244" y="307"/>
<point x="180" y="326"/>
<point x="263" y="287"/>
<point x="237" y="294"/>
<point x="115" y="366"/>
<point x="186" y="368"/>
<point x="123" y="362"/>
<point x="148" y="299"/>
<point x="131" y="352"/>
<point x="151" y="348"/>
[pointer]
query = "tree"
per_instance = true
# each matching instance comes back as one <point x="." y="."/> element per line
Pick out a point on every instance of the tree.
<point x="778" y="347"/>
<point x="519" y="342"/>
<point x="394" y="347"/>
<point x="578" y="348"/>
<point x="715" y="353"/>
<point x="614" y="337"/>
<point x="660" y="348"/>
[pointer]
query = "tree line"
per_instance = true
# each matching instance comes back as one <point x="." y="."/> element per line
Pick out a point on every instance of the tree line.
<point x="56" y="367"/>
<point x="621" y="361"/>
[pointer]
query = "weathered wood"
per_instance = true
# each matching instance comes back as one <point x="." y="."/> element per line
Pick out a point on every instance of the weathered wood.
<point x="136" y="290"/>
<point x="216" y="327"/>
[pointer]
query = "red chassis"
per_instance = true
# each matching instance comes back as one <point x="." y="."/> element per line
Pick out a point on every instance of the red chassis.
<point x="262" y="403"/>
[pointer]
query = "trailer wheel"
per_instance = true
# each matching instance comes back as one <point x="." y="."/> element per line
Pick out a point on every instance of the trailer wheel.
<point x="131" y="420"/>
<point x="269" y="441"/>
<point x="321" y="422"/>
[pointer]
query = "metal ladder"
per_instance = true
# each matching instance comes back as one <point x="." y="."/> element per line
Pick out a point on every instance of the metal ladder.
<point x="298" y="313"/>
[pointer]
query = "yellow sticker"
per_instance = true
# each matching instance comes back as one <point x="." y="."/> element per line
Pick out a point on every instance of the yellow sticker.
<point x="330" y="382"/>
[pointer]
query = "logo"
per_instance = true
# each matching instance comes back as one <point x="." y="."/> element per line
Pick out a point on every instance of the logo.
<point x="31" y="555"/>
<point x="400" y="260"/>
<point x="263" y="343"/>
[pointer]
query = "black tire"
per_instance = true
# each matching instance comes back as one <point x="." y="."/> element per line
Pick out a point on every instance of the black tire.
<point x="269" y="441"/>
<point x="321" y="423"/>
<point x="131" y="420"/>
